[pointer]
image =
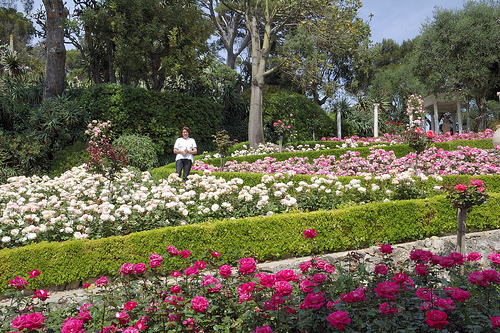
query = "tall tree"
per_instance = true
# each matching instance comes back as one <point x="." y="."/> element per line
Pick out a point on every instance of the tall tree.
<point x="15" y="24"/>
<point x="321" y="54"/>
<point x="460" y="50"/>
<point x="230" y="28"/>
<point x="264" y="19"/>
<point x="141" y="42"/>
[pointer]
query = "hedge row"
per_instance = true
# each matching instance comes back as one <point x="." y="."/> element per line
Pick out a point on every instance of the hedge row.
<point x="265" y="238"/>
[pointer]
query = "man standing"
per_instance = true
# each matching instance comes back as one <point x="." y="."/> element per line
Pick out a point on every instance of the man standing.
<point x="185" y="148"/>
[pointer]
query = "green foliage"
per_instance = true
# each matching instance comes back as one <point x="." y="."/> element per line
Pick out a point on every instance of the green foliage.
<point x="159" y="115"/>
<point x="307" y="119"/>
<point x="140" y="150"/>
<point x="457" y="50"/>
<point x="21" y="154"/>
<point x="262" y="237"/>
<point x="68" y="157"/>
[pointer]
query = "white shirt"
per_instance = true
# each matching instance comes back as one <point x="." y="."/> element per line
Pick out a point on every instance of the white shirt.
<point x="182" y="144"/>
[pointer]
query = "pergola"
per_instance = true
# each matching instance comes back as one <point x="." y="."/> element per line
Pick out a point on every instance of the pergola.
<point x="441" y="104"/>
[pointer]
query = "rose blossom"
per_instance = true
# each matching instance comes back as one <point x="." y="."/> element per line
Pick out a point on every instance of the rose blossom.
<point x="185" y="253"/>
<point x="307" y="286"/>
<point x="313" y="301"/>
<point x="495" y="258"/>
<point x="338" y="319"/>
<point x="123" y="317"/>
<point x="225" y="270"/>
<point x="247" y="266"/>
<point x="283" y="288"/>
<point x="215" y="254"/>
<point x="460" y="295"/>
<point x="34" y="273"/>
<point x="127" y="268"/>
<point x="386" y="309"/>
<point x="476" y="183"/>
<point x="140" y="268"/>
<point x="421" y="269"/>
<point x="461" y="188"/>
<point x="72" y="325"/>
<point x="387" y="289"/>
<point x="381" y="269"/>
<point x="173" y="250"/>
<point x="474" y="256"/>
<point x="41" y="294"/>
<point x="309" y="233"/>
<point x="495" y="322"/>
<point x="212" y="282"/>
<point x="429" y="134"/>
<point x="305" y="266"/>
<point x="18" y="283"/>
<point x="436" y="319"/>
<point x="387" y="249"/>
<point x="199" y="304"/>
<point x="130" y="305"/>
<point x="102" y="281"/>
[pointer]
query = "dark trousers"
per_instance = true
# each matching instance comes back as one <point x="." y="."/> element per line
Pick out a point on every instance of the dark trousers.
<point x="184" y="166"/>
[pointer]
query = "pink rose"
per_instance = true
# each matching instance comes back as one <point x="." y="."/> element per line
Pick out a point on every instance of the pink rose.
<point x="123" y="317"/>
<point x="200" y="264"/>
<point x="199" y="304"/>
<point x="185" y="253"/>
<point x="461" y="188"/>
<point x="42" y="294"/>
<point x="130" y="305"/>
<point x="140" y="268"/>
<point x="175" y="274"/>
<point x="155" y="260"/>
<point x="102" y="281"/>
<point x="285" y="275"/>
<point x="329" y="268"/>
<point x="495" y="258"/>
<point x="215" y="254"/>
<point x="476" y="183"/>
<point x="267" y="281"/>
<point x="225" y="270"/>
<point x="387" y="289"/>
<point x="460" y="295"/>
<point x="307" y="286"/>
<point x="422" y="269"/>
<point x="191" y="271"/>
<point x="247" y="266"/>
<point x="173" y="250"/>
<point x="436" y="319"/>
<point x="477" y="278"/>
<point x="283" y="288"/>
<point x="18" y="283"/>
<point x="495" y="322"/>
<point x="263" y="329"/>
<point x="19" y="322"/>
<point x="319" y="278"/>
<point x="309" y="233"/>
<point x="386" y="309"/>
<point x="474" y="256"/>
<point x="84" y="316"/>
<point x="305" y="266"/>
<point x="429" y="134"/>
<point x="313" y="301"/>
<point x="72" y="325"/>
<point x="381" y="269"/>
<point x="34" y="273"/>
<point x="387" y="249"/>
<point x="418" y="130"/>
<point x="338" y="319"/>
<point x="212" y="282"/>
<point x="127" y="268"/>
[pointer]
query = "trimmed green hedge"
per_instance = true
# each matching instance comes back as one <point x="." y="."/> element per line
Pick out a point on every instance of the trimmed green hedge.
<point x="264" y="238"/>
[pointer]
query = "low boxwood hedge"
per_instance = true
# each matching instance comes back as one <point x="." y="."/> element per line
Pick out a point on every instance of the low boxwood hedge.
<point x="265" y="238"/>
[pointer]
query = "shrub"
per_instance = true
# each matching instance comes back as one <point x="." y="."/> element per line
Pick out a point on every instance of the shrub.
<point x="140" y="150"/>
<point x="71" y="156"/>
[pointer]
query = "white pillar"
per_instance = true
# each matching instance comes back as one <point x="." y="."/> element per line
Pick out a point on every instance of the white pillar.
<point x="453" y="122"/>
<point x="467" y="111"/>
<point x="375" y="119"/>
<point x="459" y="113"/>
<point x="436" y="117"/>
<point x="339" y="123"/>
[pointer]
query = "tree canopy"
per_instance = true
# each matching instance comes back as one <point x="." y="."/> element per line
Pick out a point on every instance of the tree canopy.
<point x="459" y="50"/>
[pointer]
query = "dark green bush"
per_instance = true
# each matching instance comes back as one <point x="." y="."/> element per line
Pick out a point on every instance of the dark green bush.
<point x="159" y="115"/>
<point x="140" y="150"/>
<point x="71" y="156"/>
<point x="308" y="117"/>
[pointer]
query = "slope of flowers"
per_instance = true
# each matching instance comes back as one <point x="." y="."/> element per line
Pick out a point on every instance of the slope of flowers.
<point x="430" y="293"/>
<point x="463" y="161"/>
<point x="79" y="205"/>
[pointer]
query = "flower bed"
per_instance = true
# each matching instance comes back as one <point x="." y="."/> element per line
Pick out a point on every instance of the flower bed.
<point x="463" y="161"/>
<point x="78" y="204"/>
<point x="429" y="292"/>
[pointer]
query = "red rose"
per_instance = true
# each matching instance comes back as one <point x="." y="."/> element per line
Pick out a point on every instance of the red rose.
<point x="436" y="319"/>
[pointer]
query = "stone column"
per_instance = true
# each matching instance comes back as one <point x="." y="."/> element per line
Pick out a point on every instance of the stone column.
<point x="453" y="122"/>
<point x="375" y="119"/>
<point x="459" y="113"/>
<point x="436" y="117"/>
<point x="339" y="122"/>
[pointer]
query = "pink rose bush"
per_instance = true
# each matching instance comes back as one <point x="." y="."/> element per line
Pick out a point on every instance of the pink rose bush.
<point x="315" y="298"/>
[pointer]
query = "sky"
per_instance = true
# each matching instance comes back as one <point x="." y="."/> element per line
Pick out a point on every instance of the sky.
<point x="401" y="19"/>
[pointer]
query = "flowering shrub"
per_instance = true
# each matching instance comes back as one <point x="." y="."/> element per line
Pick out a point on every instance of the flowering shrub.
<point x="223" y="142"/>
<point x="77" y="204"/>
<point x="467" y="195"/>
<point x="463" y="161"/>
<point x="208" y="295"/>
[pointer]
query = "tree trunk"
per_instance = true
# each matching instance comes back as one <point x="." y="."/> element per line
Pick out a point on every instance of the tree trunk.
<point x="255" y="126"/>
<point x="461" y="229"/>
<point x="481" y="119"/>
<point x="53" y="84"/>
